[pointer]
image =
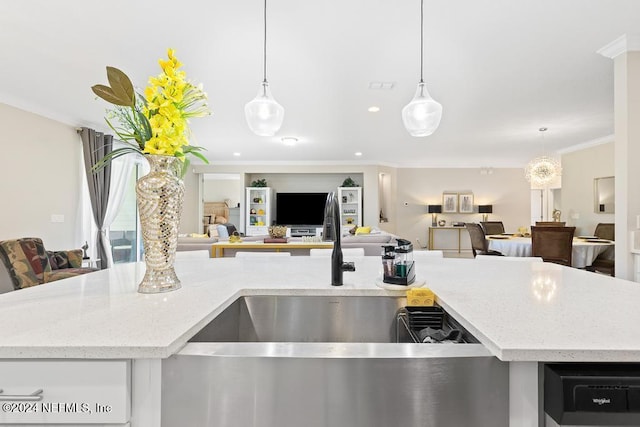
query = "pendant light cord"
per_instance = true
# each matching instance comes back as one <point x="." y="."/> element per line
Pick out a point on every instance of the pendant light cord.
<point x="264" y="48"/>
<point x="421" y="38"/>
<point x="542" y="131"/>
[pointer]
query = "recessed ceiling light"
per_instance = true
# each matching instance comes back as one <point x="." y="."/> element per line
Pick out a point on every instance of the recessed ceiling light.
<point x="289" y="140"/>
<point x="358" y="153"/>
<point x="373" y="109"/>
<point x="236" y="154"/>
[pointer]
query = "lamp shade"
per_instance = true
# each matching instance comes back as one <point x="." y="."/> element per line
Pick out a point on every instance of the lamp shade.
<point x="434" y="208"/>
<point x="421" y="116"/>
<point x="485" y="209"/>
<point x="264" y="115"/>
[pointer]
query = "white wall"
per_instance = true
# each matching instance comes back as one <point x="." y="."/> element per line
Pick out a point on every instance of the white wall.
<point x="40" y="175"/>
<point x="505" y="189"/>
<point x="579" y="168"/>
<point x="191" y="219"/>
<point x="305" y="182"/>
<point x="219" y="190"/>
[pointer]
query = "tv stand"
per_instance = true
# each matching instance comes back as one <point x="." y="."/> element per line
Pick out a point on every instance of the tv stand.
<point x="303" y="230"/>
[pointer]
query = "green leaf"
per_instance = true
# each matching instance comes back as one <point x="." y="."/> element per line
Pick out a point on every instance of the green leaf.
<point x="185" y="167"/>
<point x="200" y="156"/>
<point x="146" y="126"/>
<point x="114" y="155"/>
<point x="194" y="149"/>
<point x="121" y="86"/>
<point x="108" y="95"/>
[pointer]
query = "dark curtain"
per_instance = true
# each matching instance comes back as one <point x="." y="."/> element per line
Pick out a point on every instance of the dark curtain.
<point x="96" y="145"/>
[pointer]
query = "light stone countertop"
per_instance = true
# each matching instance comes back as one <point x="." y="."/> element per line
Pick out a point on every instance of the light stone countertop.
<point x="520" y="311"/>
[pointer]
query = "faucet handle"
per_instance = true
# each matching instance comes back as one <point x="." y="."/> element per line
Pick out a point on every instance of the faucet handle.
<point x="348" y="266"/>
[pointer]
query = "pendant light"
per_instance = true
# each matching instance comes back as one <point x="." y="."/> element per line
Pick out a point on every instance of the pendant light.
<point x="542" y="170"/>
<point x="421" y="117"/>
<point x="264" y="115"/>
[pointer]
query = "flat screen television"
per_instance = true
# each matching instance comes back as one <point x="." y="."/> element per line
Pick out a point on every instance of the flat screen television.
<point x="300" y="208"/>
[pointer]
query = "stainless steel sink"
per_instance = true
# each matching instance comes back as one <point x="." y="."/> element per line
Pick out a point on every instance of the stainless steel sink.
<point x="305" y="319"/>
<point x="326" y="361"/>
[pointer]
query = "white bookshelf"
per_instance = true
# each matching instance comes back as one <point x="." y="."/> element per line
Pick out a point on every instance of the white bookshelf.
<point x="259" y="210"/>
<point x="350" y="202"/>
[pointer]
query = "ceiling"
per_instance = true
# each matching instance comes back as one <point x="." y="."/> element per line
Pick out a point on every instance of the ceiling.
<point x="500" y="68"/>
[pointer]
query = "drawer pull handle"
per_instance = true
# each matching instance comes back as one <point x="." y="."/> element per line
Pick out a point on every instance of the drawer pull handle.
<point x="35" y="396"/>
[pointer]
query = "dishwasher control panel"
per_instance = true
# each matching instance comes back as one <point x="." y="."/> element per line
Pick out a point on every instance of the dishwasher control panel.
<point x="599" y="394"/>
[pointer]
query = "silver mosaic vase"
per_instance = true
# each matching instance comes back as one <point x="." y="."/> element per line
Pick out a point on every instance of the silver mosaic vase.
<point x="160" y="194"/>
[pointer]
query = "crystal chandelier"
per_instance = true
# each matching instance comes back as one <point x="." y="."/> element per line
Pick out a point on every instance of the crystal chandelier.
<point x="542" y="170"/>
<point x="264" y="115"/>
<point x="421" y="117"/>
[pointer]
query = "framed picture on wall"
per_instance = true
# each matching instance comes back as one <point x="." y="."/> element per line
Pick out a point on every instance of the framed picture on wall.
<point x="449" y="202"/>
<point x="465" y="202"/>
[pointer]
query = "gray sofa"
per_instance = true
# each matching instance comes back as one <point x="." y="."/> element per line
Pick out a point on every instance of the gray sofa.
<point x="371" y="243"/>
<point x="195" y="243"/>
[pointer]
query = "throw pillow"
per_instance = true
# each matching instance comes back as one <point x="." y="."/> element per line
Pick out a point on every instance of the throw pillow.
<point x="75" y="258"/>
<point x="220" y="220"/>
<point x="53" y="260"/>
<point x="66" y="259"/>
<point x="223" y="233"/>
<point x="363" y="230"/>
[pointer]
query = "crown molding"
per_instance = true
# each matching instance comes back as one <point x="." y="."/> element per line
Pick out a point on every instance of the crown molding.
<point x="624" y="43"/>
<point x="587" y="144"/>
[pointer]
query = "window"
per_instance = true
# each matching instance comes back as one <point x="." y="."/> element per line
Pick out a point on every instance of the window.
<point x="124" y="232"/>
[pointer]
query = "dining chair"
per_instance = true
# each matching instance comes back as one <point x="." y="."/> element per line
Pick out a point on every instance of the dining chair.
<point x="492" y="227"/>
<point x="551" y="223"/>
<point x="553" y="244"/>
<point x="479" y="244"/>
<point x="604" y="230"/>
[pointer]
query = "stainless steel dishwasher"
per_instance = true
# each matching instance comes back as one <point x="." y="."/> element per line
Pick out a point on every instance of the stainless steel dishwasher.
<point x="324" y="361"/>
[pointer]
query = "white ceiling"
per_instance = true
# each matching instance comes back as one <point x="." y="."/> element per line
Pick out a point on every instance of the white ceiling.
<point x="500" y="68"/>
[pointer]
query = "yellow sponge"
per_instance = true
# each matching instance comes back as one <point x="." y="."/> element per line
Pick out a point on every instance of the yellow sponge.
<point x="420" y="297"/>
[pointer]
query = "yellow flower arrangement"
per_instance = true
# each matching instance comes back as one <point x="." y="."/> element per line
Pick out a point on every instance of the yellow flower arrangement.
<point x="156" y="123"/>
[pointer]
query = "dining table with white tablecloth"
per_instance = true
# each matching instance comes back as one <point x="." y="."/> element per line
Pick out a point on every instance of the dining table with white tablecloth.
<point x="584" y="252"/>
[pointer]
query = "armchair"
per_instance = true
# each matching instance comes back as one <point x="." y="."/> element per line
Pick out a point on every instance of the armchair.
<point x="28" y="263"/>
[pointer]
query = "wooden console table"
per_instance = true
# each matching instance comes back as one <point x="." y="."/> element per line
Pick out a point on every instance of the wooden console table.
<point x="217" y="249"/>
<point x="432" y="231"/>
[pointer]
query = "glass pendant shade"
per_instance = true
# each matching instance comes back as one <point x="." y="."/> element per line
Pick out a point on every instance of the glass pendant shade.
<point x="543" y="170"/>
<point x="264" y="115"/>
<point x="421" y="116"/>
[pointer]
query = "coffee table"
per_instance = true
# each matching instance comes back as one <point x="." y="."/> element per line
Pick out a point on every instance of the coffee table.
<point x="218" y="248"/>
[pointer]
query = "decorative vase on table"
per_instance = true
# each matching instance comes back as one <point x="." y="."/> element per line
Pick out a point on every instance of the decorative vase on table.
<point x="160" y="194"/>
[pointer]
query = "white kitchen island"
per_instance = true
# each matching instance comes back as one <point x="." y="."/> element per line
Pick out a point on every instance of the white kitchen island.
<point x="523" y="313"/>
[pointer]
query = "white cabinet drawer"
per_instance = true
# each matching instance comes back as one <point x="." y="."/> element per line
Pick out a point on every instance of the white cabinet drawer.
<point x="72" y="391"/>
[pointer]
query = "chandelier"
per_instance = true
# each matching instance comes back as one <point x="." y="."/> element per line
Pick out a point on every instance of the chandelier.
<point x="544" y="169"/>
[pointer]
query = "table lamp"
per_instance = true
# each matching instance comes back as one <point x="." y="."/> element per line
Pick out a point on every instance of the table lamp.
<point x="485" y="210"/>
<point x="434" y="210"/>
